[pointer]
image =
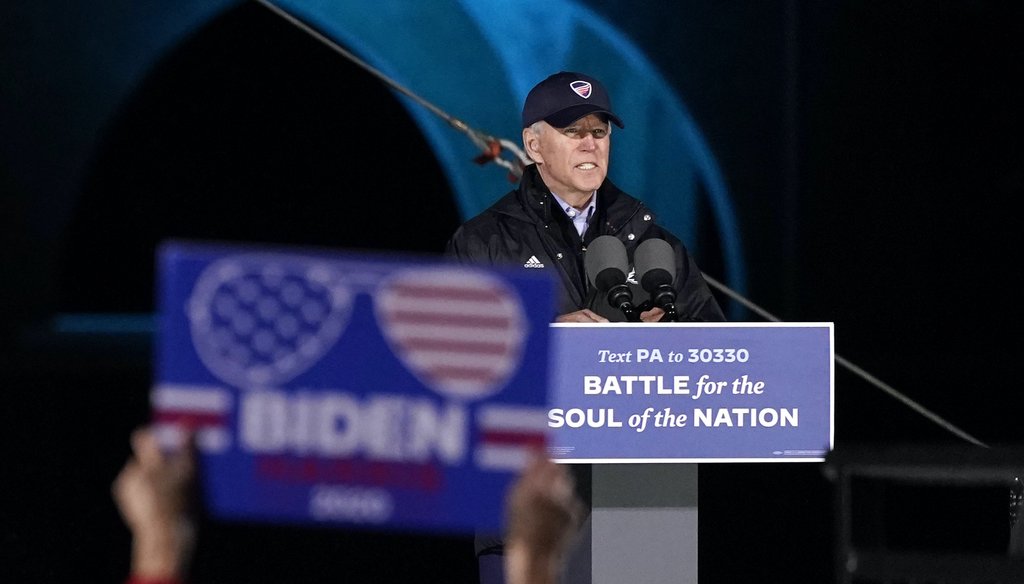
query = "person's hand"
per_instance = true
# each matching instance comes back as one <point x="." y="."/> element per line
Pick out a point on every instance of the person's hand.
<point x="653" y="315"/>
<point x="585" y="315"/>
<point x="153" y="493"/>
<point x="542" y="513"/>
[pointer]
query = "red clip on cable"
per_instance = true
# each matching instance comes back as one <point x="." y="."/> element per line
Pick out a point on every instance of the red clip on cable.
<point x="492" y="152"/>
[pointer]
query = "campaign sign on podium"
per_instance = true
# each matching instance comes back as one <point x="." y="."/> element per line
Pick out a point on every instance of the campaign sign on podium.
<point x="327" y="387"/>
<point x="691" y="392"/>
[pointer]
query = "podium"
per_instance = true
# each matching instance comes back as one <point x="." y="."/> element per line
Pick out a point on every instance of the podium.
<point x="646" y="403"/>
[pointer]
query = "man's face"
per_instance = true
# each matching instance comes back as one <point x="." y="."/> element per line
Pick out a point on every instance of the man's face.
<point x="573" y="161"/>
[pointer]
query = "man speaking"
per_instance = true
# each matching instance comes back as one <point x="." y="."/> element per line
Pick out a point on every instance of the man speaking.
<point x="564" y="205"/>
<point x="565" y="201"/>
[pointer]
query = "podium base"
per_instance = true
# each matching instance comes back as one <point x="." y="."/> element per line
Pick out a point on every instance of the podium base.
<point x="642" y="528"/>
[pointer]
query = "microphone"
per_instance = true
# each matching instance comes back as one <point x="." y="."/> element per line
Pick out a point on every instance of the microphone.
<point x="655" y="263"/>
<point x="607" y="264"/>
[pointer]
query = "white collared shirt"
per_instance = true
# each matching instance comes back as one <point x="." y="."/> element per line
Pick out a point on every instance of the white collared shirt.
<point x="580" y="219"/>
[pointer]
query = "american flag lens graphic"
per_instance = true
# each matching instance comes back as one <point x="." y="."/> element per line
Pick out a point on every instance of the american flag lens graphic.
<point x="460" y="332"/>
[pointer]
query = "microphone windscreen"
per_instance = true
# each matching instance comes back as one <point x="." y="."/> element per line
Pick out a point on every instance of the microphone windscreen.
<point x="655" y="263"/>
<point x="608" y="277"/>
<point x="606" y="257"/>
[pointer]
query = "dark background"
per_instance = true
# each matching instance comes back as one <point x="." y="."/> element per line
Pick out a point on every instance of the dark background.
<point x="873" y="151"/>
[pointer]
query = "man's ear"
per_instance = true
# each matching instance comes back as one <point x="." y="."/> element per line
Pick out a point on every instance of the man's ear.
<point x="531" y="143"/>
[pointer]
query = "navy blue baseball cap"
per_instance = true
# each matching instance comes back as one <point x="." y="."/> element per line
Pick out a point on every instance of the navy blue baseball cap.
<point x="565" y="97"/>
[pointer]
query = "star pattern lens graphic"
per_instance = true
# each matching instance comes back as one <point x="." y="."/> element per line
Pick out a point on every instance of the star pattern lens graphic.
<point x="262" y="320"/>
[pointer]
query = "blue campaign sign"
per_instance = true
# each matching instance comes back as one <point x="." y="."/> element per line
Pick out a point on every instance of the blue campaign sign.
<point x="330" y="387"/>
<point x="691" y="392"/>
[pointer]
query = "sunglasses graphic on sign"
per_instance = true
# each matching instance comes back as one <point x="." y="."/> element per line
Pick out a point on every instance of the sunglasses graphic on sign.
<point x="263" y="320"/>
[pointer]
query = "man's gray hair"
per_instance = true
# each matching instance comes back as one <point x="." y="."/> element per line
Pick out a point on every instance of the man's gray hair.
<point x="537" y="127"/>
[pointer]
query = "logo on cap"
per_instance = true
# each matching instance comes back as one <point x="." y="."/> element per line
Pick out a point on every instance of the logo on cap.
<point x="582" y="88"/>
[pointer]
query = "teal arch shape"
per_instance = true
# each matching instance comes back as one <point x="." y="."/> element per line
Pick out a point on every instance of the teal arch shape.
<point x="477" y="59"/>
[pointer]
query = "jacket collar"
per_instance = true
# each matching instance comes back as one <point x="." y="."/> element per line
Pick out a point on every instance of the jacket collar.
<point x="614" y="207"/>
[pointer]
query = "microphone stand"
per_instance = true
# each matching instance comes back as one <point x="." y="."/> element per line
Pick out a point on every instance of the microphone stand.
<point x="664" y="297"/>
<point x="620" y="297"/>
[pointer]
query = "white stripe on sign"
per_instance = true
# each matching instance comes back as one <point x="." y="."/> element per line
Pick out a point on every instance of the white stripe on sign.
<point x="211" y="440"/>
<point x="194" y="398"/>
<point x="509" y="458"/>
<point x="447" y="332"/>
<point x="524" y="419"/>
<point x="441" y="306"/>
<point x="428" y="359"/>
<point x="466" y="386"/>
